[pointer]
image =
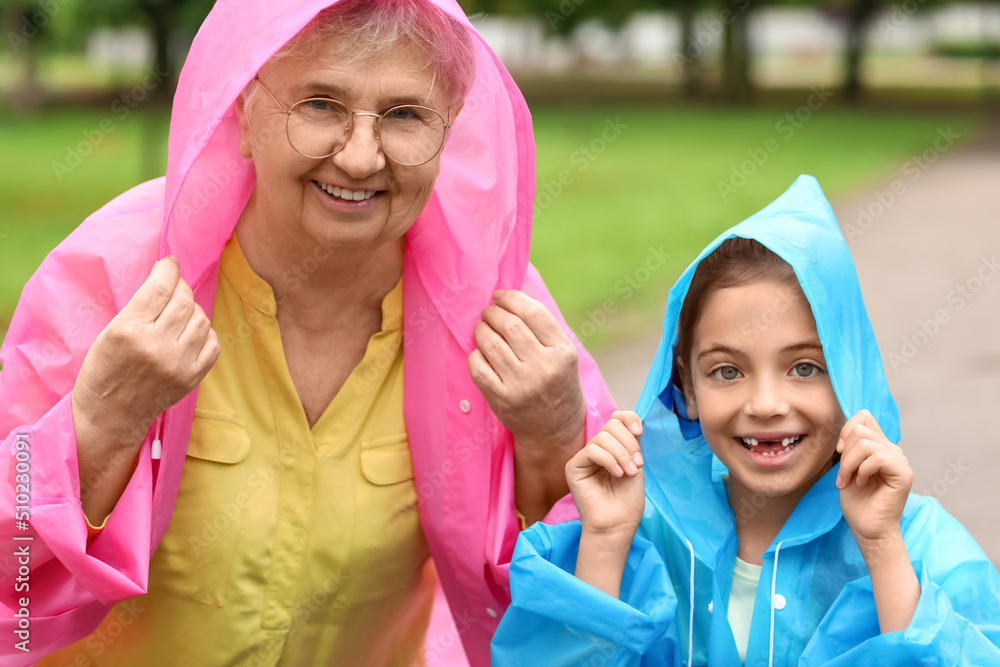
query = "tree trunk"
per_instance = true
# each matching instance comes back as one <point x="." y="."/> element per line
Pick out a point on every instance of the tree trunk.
<point x="737" y="87"/>
<point x="26" y="95"/>
<point x="690" y="50"/>
<point x="857" y="20"/>
<point x="161" y="21"/>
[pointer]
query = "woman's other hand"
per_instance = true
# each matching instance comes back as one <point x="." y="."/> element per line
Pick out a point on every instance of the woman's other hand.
<point x="526" y="367"/>
<point x="606" y="478"/>
<point x="149" y="357"/>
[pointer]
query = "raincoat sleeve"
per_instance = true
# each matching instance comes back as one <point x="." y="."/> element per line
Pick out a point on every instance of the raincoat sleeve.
<point x="957" y="620"/>
<point x="598" y="401"/>
<point x="49" y="569"/>
<point x="555" y="619"/>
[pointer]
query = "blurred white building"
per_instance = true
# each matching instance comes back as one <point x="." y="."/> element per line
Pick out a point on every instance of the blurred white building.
<point x="780" y="36"/>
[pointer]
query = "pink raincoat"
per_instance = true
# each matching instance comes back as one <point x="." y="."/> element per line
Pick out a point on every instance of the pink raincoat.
<point x="472" y="238"/>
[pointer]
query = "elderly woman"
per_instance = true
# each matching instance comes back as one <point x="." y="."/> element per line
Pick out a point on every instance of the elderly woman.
<point x="231" y="390"/>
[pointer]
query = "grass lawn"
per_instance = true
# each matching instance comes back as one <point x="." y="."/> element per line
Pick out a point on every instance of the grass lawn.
<point x="666" y="182"/>
<point x="618" y="188"/>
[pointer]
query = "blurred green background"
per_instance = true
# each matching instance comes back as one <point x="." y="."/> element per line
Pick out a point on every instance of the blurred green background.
<point x="643" y="145"/>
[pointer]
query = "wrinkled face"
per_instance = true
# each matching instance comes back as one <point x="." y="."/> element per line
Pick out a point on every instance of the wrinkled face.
<point x="356" y="199"/>
<point x="760" y="389"/>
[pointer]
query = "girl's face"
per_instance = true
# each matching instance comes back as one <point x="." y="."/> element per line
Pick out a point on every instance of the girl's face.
<point x="758" y="385"/>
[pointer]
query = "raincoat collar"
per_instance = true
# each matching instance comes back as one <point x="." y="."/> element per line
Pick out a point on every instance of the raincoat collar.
<point x="685" y="478"/>
<point x="472" y="238"/>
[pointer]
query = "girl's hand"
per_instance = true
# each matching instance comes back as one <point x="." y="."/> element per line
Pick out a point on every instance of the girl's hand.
<point x="606" y="479"/>
<point x="874" y="482"/>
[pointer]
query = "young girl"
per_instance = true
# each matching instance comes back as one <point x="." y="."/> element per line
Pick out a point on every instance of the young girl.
<point x="768" y="519"/>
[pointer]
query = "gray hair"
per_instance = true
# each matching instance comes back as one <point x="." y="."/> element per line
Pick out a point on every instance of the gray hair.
<point x="370" y="29"/>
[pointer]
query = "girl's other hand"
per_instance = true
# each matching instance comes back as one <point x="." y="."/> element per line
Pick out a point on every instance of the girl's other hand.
<point x="607" y="481"/>
<point x="874" y="481"/>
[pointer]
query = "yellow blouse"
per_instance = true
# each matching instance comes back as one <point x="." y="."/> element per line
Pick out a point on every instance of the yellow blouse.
<point x="288" y="546"/>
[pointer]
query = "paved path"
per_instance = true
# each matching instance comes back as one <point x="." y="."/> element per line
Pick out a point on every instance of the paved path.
<point x="927" y="258"/>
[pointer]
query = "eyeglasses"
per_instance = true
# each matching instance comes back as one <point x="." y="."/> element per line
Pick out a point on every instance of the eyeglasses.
<point x="318" y="127"/>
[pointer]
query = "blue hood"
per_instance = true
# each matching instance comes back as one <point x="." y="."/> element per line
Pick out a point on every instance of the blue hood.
<point x="800" y="227"/>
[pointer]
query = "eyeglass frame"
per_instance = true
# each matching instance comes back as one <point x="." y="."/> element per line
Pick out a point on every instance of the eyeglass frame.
<point x="350" y="133"/>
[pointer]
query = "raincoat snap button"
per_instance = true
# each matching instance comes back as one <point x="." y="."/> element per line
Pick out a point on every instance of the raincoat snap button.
<point x="490" y="611"/>
<point x="709" y="607"/>
<point x="779" y="601"/>
<point x="464" y="405"/>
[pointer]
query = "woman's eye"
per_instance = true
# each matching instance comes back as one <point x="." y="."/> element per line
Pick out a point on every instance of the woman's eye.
<point x="726" y="373"/>
<point x="805" y="370"/>
<point x="320" y="105"/>
<point x="402" y="113"/>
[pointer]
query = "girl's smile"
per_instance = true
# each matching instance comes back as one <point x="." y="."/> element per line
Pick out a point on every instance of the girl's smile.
<point x="770" y="449"/>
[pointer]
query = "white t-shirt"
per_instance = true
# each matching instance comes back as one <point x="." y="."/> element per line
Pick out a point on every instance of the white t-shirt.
<point x="741" y="598"/>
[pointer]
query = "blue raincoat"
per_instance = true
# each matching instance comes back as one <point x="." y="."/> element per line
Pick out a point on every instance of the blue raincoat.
<point x="814" y="603"/>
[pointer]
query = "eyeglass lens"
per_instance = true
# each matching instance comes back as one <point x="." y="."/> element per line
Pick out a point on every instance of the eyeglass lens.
<point x="410" y="135"/>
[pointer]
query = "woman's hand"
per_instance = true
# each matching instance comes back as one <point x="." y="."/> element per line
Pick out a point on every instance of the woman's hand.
<point x="607" y="482"/>
<point x="526" y="367"/>
<point x="874" y="479"/>
<point x="149" y="357"/>
<point x="874" y="482"/>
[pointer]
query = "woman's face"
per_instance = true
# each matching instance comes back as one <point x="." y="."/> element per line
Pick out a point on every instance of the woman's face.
<point x="761" y="389"/>
<point x="292" y="196"/>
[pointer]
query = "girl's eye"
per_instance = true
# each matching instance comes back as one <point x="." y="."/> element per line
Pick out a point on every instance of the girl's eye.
<point x="726" y="373"/>
<point x="805" y="370"/>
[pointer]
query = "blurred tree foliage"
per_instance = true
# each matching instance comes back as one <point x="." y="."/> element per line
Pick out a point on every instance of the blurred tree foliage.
<point x="727" y="23"/>
<point x="703" y="23"/>
<point x="164" y="19"/>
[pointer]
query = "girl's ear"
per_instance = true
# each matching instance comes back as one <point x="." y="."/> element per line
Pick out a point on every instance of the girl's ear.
<point x="690" y="404"/>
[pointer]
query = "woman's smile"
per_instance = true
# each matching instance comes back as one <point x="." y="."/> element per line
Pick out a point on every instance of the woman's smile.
<point x="344" y="194"/>
<point x="346" y="201"/>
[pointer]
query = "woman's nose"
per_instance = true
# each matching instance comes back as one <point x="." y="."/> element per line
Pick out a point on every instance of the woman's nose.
<point x="767" y="400"/>
<point x="362" y="154"/>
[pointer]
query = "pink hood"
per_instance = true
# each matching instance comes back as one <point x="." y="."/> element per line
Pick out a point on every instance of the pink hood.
<point x="487" y="168"/>
<point x="472" y="238"/>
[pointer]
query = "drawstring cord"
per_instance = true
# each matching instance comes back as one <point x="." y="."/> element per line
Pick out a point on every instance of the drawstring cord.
<point x="691" y="619"/>
<point x="774" y="576"/>
<point x="157" y="447"/>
